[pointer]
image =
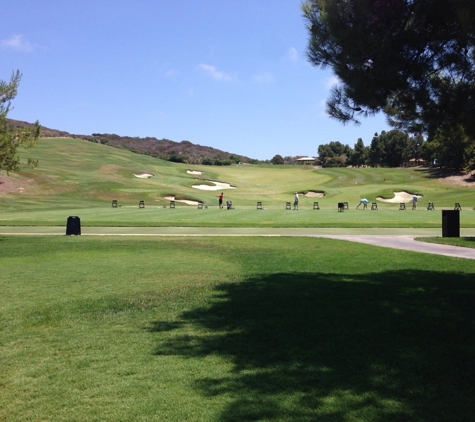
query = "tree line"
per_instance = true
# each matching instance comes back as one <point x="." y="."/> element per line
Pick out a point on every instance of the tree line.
<point x="389" y="149"/>
<point x="395" y="148"/>
<point x="398" y="149"/>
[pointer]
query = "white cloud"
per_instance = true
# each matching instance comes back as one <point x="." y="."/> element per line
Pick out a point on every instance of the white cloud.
<point x="17" y="42"/>
<point x="263" y="78"/>
<point x="330" y="82"/>
<point x="214" y="73"/>
<point x="171" y="72"/>
<point x="292" y="55"/>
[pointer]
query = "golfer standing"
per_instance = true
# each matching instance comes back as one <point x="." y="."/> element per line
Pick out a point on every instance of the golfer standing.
<point x="296" y="201"/>
<point x="220" y="200"/>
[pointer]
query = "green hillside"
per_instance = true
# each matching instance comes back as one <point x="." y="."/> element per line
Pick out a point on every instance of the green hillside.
<point x="76" y="177"/>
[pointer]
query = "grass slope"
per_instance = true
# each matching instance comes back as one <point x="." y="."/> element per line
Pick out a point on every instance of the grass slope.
<point x="81" y="178"/>
<point x="232" y="329"/>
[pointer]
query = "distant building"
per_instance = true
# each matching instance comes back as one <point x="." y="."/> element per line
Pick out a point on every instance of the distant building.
<point x="306" y="160"/>
<point x="413" y="162"/>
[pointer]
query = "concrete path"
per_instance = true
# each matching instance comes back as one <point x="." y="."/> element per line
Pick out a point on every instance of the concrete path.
<point x="384" y="237"/>
<point x="408" y="243"/>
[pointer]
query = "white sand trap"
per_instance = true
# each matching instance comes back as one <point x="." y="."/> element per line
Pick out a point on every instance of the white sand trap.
<point x="144" y="175"/>
<point x="194" y="172"/>
<point x="313" y="194"/>
<point x="399" y="197"/>
<point x="185" y="201"/>
<point x="217" y="186"/>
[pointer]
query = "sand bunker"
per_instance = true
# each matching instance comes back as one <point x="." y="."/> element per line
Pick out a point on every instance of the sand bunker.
<point x="399" y="197"/>
<point x="185" y="201"/>
<point x="217" y="186"/>
<point x="314" y="194"/>
<point x="144" y="175"/>
<point x="194" y="172"/>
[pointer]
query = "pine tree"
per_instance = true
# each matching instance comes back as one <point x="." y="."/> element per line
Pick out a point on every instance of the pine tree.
<point x="411" y="59"/>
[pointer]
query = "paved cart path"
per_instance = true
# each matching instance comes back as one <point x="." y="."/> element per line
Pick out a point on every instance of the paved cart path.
<point x="408" y="243"/>
<point x="384" y="237"/>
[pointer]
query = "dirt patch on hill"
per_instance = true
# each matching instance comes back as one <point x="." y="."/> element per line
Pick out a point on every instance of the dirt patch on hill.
<point x="9" y="185"/>
<point x="464" y="179"/>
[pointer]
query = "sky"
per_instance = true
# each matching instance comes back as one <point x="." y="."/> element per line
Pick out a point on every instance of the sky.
<point x="229" y="74"/>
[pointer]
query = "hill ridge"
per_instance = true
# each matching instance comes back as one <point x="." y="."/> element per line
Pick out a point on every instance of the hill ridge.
<point x="166" y="149"/>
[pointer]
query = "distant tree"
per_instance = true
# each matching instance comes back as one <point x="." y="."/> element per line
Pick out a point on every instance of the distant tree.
<point x="429" y="151"/>
<point x="415" y="144"/>
<point x="396" y="147"/>
<point x="451" y="147"/>
<point x="376" y="151"/>
<point x="333" y="154"/>
<point x="11" y="139"/>
<point x="338" y="148"/>
<point x="390" y="149"/>
<point x="359" y="155"/>
<point x="277" y="159"/>
<point x="207" y="162"/>
<point x="325" y="154"/>
<point x="176" y="157"/>
<point x="339" y="161"/>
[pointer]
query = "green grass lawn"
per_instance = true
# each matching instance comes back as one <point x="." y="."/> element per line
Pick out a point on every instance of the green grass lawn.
<point x="81" y="178"/>
<point x="239" y="217"/>
<point x="227" y="329"/>
<point x="232" y="329"/>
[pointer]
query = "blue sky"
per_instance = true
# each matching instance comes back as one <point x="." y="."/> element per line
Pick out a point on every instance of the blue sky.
<point x="230" y="74"/>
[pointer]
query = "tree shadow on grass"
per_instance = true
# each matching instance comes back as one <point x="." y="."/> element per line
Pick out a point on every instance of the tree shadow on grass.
<point x="392" y="346"/>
